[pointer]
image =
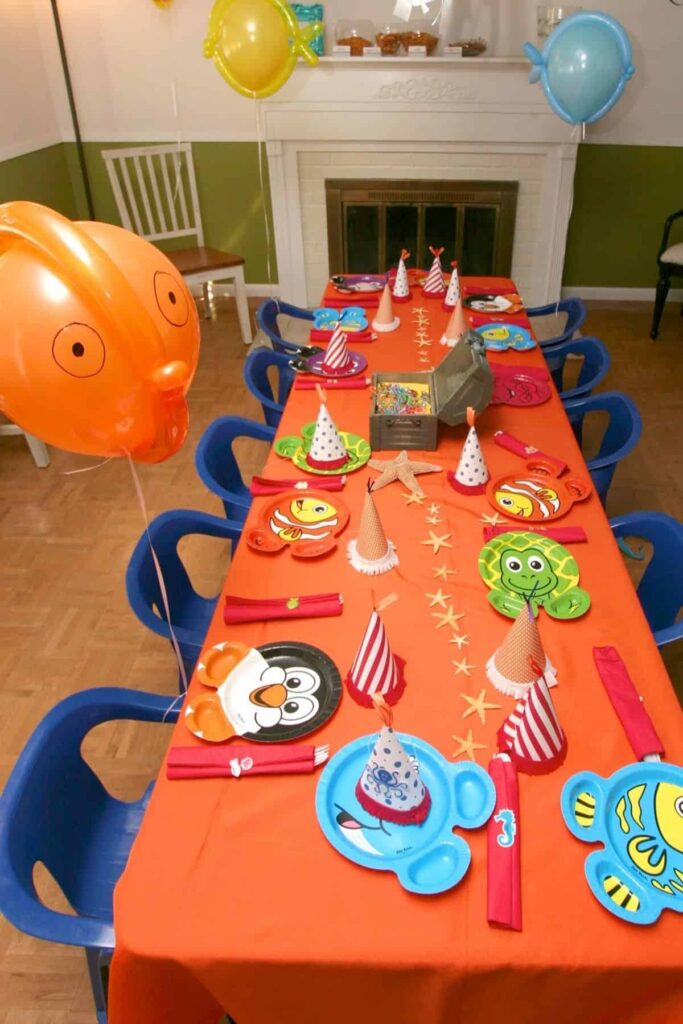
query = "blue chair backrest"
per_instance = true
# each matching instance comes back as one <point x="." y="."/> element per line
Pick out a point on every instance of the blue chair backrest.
<point x="55" y="810"/>
<point x="266" y="318"/>
<point x="576" y="315"/>
<point x="661" y="586"/>
<point x="190" y="612"/>
<point x="594" y="366"/>
<point x="255" y="371"/>
<point x="217" y="465"/>
<point x="621" y="436"/>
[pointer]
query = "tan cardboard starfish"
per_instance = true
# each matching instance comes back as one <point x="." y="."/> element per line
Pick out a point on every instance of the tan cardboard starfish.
<point x="478" y="705"/>
<point x="401" y="468"/>
<point x="467" y="745"/>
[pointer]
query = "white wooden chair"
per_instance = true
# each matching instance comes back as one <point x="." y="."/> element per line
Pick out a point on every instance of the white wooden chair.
<point x="38" y="449"/>
<point x="156" y="194"/>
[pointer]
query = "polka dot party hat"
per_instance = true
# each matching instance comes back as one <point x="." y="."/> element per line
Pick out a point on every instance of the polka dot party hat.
<point x="327" y="450"/>
<point x="390" y="787"/>
<point x="401" y="290"/>
<point x="472" y="473"/>
<point x="453" y="293"/>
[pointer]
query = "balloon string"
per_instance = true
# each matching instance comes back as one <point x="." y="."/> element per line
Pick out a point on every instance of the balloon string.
<point x="87" y="469"/>
<point x="160" y="577"/>
<point x="266" y="221"/>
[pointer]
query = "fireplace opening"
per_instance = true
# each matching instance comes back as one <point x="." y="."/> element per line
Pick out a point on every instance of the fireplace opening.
<point x="369" y="222"/>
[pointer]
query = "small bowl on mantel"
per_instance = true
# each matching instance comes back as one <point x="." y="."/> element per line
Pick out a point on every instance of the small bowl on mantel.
<point x="471" y="47"/>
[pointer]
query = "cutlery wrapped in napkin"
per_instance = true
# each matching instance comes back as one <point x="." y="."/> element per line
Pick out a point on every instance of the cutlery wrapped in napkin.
<point x="255" y="609"/>
<point x="332" y="383"/>
<point x="236" y="761"/>
<point x="261" y="485"/>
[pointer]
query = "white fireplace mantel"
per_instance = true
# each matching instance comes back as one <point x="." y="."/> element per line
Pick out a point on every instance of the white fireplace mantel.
<point x="440" y="120"/>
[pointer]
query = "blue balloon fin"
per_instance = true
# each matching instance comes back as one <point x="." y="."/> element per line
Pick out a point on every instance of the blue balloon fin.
<point x="536" y="59"/>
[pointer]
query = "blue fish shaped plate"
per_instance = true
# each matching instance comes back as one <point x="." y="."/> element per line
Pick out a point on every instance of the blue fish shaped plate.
<point x="427" y="858"/>
<point x="499" y="337"/>
<point x="637" y="815"/>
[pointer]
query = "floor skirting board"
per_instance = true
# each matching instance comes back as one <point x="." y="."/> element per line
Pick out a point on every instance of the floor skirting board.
<point x="620" y="294"/>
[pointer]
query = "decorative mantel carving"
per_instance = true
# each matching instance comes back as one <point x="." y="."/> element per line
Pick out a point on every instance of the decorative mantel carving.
<point x="425" y="89"/>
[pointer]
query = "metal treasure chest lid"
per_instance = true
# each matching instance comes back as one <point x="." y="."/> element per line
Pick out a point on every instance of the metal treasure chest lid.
<point x="463" y="379"/>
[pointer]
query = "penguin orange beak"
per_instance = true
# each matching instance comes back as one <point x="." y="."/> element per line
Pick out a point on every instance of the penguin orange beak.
<point x="272" y="696"/>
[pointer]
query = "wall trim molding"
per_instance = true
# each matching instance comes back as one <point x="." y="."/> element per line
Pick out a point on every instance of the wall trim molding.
<point x="260" y="291"/>
<point x="12" y="151"/>
<point x="620" y="294"/>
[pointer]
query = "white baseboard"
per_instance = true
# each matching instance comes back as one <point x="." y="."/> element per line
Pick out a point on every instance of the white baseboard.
<point x="621" y="294"/>
<point x="261" y="291"/>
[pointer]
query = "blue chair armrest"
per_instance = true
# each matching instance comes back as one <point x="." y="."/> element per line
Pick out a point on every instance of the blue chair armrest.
<point x="669" y="635"/>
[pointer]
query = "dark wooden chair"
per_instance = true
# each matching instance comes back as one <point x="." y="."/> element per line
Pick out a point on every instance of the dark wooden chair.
<point x="670" y="262"/>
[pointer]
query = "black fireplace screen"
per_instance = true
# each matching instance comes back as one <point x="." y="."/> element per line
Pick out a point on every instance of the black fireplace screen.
<point x="369" y="222"/>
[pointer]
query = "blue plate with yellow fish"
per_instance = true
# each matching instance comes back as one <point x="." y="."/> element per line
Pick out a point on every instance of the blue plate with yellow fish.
<point x="499" y="337"/>
<point x="427" y="858"/>
<point x="637" y="815"/>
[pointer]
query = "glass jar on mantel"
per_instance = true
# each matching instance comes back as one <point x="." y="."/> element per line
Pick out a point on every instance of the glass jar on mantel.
<point x="356" y="34"/>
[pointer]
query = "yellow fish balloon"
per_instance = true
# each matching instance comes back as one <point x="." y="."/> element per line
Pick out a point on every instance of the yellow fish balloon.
<point x="255" y="44"/>
<point x="99" y="336"/>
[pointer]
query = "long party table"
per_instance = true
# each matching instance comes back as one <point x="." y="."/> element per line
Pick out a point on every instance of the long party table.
<point x="233" y="900"/>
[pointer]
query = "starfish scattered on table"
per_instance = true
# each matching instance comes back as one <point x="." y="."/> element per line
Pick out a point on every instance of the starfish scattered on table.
<point x="493" y="520"/>
<point x="478" y="705"/>
<point x="401" y="468"/>
<point x="434" y="508"/>
<point x="412" y="498"/>
<point x="420" y="310"/>
<point x="438" y="598"/>
<point x="459" y="639"/>
<point x="437" y="542"/>
<point x="424" y="342"/>
<point x="467" y="746"/>
<point x="433" y="520"/>
<point x="463" y="666"/>
<point x="448" y="618"/>
<point x="442" y="572"/>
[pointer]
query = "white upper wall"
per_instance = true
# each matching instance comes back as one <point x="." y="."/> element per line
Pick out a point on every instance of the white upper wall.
<point x="128" y="60"/>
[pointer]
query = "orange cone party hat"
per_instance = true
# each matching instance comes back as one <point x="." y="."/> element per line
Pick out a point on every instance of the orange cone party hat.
<point x="385" y="319"/>
<point x="376" y="670"/>
<point x="472" y="473"/>
<point x="390" y="787"/>
<point x="401" y="290"/>
<point x="327" y="450"/>
<point x="510" y="669"/>
<point x="453" y="293"/>
<point x="434" y="288"/>
<point x="370" y="552"/>
<point x="456" y="328"/>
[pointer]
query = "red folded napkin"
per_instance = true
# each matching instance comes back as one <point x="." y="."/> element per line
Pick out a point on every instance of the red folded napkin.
<point x="562" y="534"/>
<point x="355" y="337"/>
<point x="337" y="300"/>
<point x="503" y="870"/>
<point x="526" y="451"/>
<point x="235" y="761"/>
<point x="477" y="319"/>
<point x="331" y="383"/>
<point x="310" y="606"/>
<point x="261" y="485"/>
<point x="513" y="370"/>
<point x="628" y="705"/>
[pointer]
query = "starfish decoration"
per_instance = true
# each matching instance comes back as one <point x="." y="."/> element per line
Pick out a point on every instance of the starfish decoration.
<point x="412" y="498"/>
<point x="478" y="705"/>
<point x="420" y="310"/>
<point x="424" y="342"/>
<point x="438" y="598"/>
<point x="433" y="520"/>
<point x="493" y="520"/>
<point x="463" y="666"/>
<point x="401" y="468"/>
<point x="437" y="542"/>
<point x="467" y="746"/>
<point x="448" y="618"/>
<point x="434" y="508"/>
<point x="459" y="639"/>
<point x="442" y="573"/>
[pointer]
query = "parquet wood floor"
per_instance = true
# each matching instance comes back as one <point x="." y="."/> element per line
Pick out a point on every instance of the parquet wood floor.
<point x="65" y="622"/>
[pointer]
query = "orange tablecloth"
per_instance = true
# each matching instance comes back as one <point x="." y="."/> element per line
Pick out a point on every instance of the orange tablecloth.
<point x="234" y="900"/>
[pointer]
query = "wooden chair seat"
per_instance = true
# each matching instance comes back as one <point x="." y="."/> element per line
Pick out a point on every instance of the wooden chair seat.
<point x="202" y="259"/>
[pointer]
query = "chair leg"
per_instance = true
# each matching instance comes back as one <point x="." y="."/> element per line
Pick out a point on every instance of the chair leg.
<point x="98" y="969"/>
<point x="660" y="298"/>
<point x="242" y="306"/>
<point x="38" y="450"/>
<point x="209" y="304"/>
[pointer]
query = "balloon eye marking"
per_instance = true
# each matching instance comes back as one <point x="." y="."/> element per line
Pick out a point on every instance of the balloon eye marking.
<point x="78" y="350"/>
<point x="170" y="299"/>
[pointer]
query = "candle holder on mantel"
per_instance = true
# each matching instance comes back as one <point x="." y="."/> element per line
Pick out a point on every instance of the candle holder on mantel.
<point x="548" y="18"/>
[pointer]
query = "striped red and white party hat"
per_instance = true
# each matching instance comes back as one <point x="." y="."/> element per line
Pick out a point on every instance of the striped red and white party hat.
<point x="376" y="670"/>
<point x="532" y="734"/>
<point x="337" y="354"/>
<point x="401" y="289"/>
<point x="327" y="449"/>
<point x="453" y="293"/>
<point x="390" y="787"/>
<point x="433" y="286"/>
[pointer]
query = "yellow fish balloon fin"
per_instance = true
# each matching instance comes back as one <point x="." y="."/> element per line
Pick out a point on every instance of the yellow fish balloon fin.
<point x="305" y="35"/>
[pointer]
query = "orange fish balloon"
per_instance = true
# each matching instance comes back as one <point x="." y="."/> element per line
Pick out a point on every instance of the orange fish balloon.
<point x="99" y="336"/>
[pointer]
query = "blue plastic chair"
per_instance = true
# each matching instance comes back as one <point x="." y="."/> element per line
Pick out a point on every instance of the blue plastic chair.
<point x="255" y="371"/>
<point x="576" y="316"/>
<point x="266" y="318"/>
<point x="621" y="436"/>
<point x="594" y="368"/>
<point x="56" y="811"/>
<point x="661" y="586"/>
<point x="217" y="466"/>
<point x="190" y="612"/>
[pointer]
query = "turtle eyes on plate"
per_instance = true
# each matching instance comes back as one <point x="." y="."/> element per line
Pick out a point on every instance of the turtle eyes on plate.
<point x="514" y="564"/>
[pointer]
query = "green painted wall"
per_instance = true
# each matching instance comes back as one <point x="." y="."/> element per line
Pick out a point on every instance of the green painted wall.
<point x="43" y="176"/>
<point x="622" y="196"/>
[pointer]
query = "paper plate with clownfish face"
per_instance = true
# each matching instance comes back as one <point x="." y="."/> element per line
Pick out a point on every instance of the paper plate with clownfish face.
<point x="270" y="694"/>
<point x="307" y="524"/>
<point x="536" y="496"/>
